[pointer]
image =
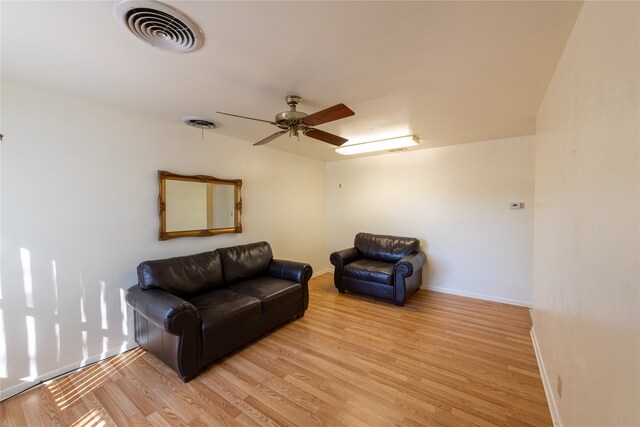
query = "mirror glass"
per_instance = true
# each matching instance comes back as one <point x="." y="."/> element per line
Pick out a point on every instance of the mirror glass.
<point x="198" y="205"/>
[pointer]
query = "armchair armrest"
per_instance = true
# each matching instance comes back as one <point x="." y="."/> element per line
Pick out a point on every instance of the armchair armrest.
<point x="407" y="276"/>
<point x="161" y="308"/>
<point x="341" y="258"/>
<point x="290" y="270"/>
<point x="407" y="265"/>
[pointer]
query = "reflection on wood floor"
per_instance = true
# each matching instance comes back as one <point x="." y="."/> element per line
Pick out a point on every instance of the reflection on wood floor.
<point x="350" y="361"/>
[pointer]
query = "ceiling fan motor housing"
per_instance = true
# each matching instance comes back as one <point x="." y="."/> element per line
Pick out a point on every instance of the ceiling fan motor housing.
<point x="289" y="118"/>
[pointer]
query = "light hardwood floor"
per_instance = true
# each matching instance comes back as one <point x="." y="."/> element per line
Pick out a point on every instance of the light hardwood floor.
<point x="350" y="361"/>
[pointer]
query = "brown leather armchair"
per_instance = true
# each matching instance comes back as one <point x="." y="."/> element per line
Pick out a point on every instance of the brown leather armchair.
<point x="388" y="267"/>
<point x="191" y="310"/>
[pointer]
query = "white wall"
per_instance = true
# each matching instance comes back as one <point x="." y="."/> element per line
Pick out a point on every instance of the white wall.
<point x="456" y="201"/>
<point x="79" y="190"/>
<point x="587" y="216"/>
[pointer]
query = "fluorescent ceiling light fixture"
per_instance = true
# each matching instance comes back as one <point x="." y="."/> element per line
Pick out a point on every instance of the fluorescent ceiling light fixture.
<point x="380" y="145"/>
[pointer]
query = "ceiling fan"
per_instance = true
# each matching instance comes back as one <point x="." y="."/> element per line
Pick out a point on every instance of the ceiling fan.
<point x="293" y="122"/>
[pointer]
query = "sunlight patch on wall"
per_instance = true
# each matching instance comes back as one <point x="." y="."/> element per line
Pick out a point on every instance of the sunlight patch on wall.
<point x="105" y="347"/>
<point x="3" y="347"/>
<point x="54" y="277"/>
<point x="31" y="349"/>
<point x="123" y="311"/>
<point x="85" y="349"/>
<point x="25" y="257"/>
<point x="56" y="327"/>
<point x="103" y="306"/>
<point x="83" y="316"/>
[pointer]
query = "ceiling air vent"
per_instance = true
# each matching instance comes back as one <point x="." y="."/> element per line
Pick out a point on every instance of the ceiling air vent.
<point x="159" y="25"/>
<point x="199" y="122"/>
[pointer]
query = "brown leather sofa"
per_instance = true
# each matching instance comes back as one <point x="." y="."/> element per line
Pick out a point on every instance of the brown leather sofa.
<point x="388" y="267"/>
<point x="191" y="310"/>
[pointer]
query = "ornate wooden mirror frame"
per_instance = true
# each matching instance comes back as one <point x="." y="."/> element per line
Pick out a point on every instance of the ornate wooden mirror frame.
<point x="192" y="208"/>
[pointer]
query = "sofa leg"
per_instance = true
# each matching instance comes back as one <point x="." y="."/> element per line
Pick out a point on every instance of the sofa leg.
<point x="341" y="290"/>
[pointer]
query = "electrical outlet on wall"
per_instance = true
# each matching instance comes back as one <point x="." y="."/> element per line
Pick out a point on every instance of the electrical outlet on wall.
<point x="560" y="386"/>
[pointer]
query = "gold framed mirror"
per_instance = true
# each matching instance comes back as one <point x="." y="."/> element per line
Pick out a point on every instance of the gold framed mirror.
<point x="198" y="205"/>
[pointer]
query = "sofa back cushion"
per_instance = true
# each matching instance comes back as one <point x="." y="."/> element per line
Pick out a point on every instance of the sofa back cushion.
<point x="245" y="262"/>
<point x="183" y="276"/>
<point x="385" y="248"/>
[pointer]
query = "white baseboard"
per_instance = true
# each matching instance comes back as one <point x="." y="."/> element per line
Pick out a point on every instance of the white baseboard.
<point x="8" y="392"/>
<point x="521" y="303"/>
<point x="548" y="390"/>
<point x="480" y="296"/>
<point x="321" y="272"/>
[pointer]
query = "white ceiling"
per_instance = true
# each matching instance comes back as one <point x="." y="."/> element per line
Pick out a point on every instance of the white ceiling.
<point x="448" y="72"/>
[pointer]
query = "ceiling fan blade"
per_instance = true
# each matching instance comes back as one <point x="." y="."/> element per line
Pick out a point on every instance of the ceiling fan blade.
<point x="326" y="137"/>
<point x="245" y="117"/>
<point x="270" y="138"/>
<point x="330" y="114"/>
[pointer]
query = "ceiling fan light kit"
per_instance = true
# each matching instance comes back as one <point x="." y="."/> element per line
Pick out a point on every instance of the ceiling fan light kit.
<point x="379" y="145"/>
<point x="294" y="122"/>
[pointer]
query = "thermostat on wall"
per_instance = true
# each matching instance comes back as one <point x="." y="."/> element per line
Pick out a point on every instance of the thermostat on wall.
<point x="517" y="205"/>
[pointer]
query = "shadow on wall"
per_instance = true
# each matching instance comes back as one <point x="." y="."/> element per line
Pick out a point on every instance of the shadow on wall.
<point x="431" y="270"/>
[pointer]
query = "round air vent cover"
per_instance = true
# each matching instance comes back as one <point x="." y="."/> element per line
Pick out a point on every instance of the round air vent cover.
<point x="159" y="25"/>
<point x="199" y="122"/>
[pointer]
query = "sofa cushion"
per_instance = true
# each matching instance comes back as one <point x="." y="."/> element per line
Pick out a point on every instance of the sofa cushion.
<point x="385" y="248"/>
<point x="273" y="293"/>
<point x="370" y="270"/>
<point x="183" y="276"/>
<point x="222" y="309"/>
<point x="245" y="262"/>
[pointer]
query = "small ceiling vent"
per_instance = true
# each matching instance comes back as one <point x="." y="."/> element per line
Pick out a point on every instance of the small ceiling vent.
<point x="199" y="122"/>
<point x="159" y="25"/>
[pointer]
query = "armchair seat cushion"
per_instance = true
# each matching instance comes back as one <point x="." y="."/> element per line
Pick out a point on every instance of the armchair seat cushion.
<point x="370" y="270"/>
<point x="272" y="292"/>
<point x="222" y="309"/>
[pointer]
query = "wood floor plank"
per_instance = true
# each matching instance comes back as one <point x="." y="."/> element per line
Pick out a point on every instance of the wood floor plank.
<point x="441" y="360"/>
<point x="12" y="413"/>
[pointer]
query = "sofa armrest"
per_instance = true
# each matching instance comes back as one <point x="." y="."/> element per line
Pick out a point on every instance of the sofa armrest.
<point x="341" y="258"/>
<point x="290" y="270"/>
<point x="296" y="272"/>
<point x="161" y="308"/>
<point x="407" y="265"/>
